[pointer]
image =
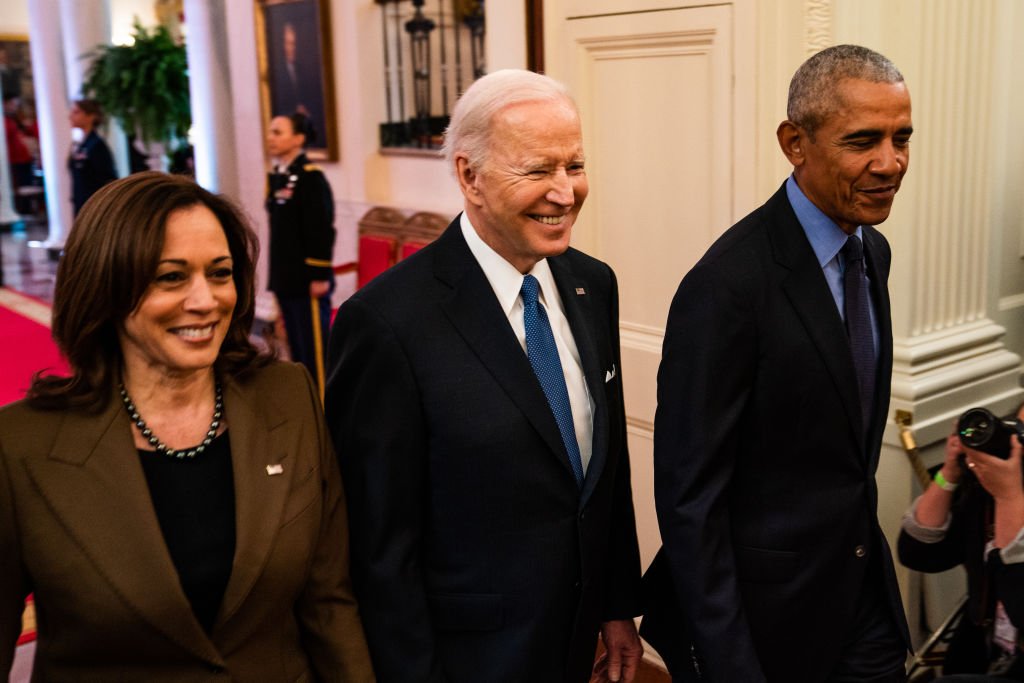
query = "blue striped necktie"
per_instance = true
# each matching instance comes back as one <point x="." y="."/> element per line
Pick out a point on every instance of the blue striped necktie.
<point x="543" y="355"/>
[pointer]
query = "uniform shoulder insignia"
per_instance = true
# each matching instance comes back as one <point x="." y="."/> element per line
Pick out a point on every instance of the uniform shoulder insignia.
<point x="310" y="167"/>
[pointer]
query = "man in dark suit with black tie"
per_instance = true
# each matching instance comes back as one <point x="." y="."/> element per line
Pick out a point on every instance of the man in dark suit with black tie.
<point x="475" y="399"/>
<point x="772" y="398"/>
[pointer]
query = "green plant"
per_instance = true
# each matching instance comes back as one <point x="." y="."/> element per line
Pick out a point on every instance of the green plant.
<point x="144" y="84"/>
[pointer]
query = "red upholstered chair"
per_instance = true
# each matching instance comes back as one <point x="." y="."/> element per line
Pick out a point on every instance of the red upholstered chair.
<point x="376" y="254"/>
<point x="410" y="248"/>
<point x="386" y="236"/>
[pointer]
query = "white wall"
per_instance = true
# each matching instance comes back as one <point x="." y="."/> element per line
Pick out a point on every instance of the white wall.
<point x="14" y="18"/>
<point x="362" y="177"/>
<point x="123" y="14"/>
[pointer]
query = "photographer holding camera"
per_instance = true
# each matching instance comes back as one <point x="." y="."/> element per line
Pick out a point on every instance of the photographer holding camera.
<point x="973" y="514"/>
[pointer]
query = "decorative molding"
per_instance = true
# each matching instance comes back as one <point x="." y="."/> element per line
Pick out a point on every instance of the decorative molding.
<point x="1009" y="303"/>
<point x="937" y="376"/>
<point x="818" y="25"/>
<point x="641" y="337"/>
<point x="949" y="354"/>
<point x="410" y="152"/>
<point x="639" y="427"/>
<point x="620" y="46"/>
<point x="922" y="348"/>
<point x="952" y="224"/>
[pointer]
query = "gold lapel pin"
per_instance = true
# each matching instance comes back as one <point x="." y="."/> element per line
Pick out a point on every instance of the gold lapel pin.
<point x="274" y="469"/>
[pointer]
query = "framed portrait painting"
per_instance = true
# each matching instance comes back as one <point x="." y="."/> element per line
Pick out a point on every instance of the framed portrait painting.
<point x="297" y="68"/>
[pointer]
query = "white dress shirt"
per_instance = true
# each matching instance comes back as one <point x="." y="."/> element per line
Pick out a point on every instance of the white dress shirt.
<point x="506" y="281"/>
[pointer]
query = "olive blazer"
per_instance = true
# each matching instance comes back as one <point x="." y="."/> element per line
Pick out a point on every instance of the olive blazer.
<point x="78" y="528"/>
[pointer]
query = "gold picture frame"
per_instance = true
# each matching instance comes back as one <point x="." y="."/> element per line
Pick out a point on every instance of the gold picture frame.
<point x="296" y="67"/>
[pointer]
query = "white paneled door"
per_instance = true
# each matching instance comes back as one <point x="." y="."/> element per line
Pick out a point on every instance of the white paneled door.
<point x="657" y="95"/>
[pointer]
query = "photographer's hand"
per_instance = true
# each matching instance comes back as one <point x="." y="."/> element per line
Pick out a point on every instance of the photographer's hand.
<point x="951" y="469"/>
<point x="933" y="507"/>
<point x="1003" y="480"/>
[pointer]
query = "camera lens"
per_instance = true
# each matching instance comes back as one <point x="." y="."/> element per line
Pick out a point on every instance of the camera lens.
<point x="977" y="427"/>
<point x="981" y="430"/>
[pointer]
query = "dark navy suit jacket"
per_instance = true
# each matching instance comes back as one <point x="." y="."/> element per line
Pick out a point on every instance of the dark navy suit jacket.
<point x="764" y="477"/>
<point x="475" y="556"/>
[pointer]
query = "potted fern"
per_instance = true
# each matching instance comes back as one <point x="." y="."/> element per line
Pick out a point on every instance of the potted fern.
<point x="145" y="86"/>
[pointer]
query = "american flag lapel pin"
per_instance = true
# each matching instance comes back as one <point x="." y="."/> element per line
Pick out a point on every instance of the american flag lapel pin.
<point x="580" y="291"/>
<point x="274" y="469"/>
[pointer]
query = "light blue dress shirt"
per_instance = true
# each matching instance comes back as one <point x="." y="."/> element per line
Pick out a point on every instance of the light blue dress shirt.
<point x="827" y="239"/>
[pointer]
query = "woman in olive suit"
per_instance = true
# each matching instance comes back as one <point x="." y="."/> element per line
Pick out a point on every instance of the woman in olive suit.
<point x="174" y="505"/>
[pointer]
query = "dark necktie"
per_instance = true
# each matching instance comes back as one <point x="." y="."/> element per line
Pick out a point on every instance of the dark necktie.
<point x="858" y="324"/>
<point x="543" y="355"/>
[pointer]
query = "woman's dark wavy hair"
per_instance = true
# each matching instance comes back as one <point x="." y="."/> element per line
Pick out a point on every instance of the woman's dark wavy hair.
<point x="92" y="108"/>
<point x="109" y="261"/>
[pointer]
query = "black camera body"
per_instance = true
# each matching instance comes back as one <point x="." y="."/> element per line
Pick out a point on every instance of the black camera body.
<point x="979" y="429"/>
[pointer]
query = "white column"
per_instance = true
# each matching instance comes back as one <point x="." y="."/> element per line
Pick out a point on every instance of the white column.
<point x="949" y="352"/>
<point x="52" y="113"/>
<point x="210" y="90"/>
<point x="245" y="134"/>
<point x="948" y="272"/>
<point x="86" y="24"/>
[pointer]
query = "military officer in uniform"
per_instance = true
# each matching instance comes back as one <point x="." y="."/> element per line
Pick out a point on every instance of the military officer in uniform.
<point x="301" y="210"/>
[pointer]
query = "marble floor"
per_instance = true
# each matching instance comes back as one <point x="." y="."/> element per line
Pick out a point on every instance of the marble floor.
<point x="27" y="265"/>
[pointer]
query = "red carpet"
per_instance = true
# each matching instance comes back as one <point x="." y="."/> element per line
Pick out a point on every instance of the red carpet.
<point x="28" y="623"/>
<point x="25" y="344"/>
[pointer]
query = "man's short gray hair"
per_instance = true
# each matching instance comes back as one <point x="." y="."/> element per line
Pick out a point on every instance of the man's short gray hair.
<point x="470" y="128"/>
<point x="813" y="92"/>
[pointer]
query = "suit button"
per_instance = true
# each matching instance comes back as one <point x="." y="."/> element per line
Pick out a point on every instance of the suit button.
<point x="860" y="551"/>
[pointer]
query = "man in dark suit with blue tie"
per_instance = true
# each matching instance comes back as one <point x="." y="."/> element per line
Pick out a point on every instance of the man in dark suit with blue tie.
<point x="475" y="400"/>
<point x="772" y="398"/>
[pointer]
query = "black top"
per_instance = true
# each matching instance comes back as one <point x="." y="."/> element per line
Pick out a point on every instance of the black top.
<point x="301" y="210"/>
<point x="195" y="504"/>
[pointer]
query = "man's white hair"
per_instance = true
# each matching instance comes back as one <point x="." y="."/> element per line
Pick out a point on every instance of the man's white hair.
<point x="469" y="132"/>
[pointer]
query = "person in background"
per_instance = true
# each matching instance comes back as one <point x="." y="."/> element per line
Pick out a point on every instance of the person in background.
<point x="301" y="210"/>
<point x="475" y="396"/>
<point x="972" y="514"/>
<point x="19" y="156"/>
<point x="90" y="162"/>
<point x="174" y="504"/>
<point x="773" y="393"/>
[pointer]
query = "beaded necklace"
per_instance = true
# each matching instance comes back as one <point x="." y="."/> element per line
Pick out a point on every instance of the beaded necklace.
<point x="161" y="447"/>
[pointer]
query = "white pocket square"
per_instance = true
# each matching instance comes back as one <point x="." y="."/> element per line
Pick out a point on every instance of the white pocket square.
<point x="609" y="375"/>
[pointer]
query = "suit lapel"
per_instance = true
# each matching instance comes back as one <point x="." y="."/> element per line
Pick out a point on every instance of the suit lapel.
<point x="878" y="272"/>
<point x="579" y="312"/>
<point x="475" y="313"/>
<point x="808" y="292"/>
<point x="94" y="484"/>
<point x="257" y="441"/>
